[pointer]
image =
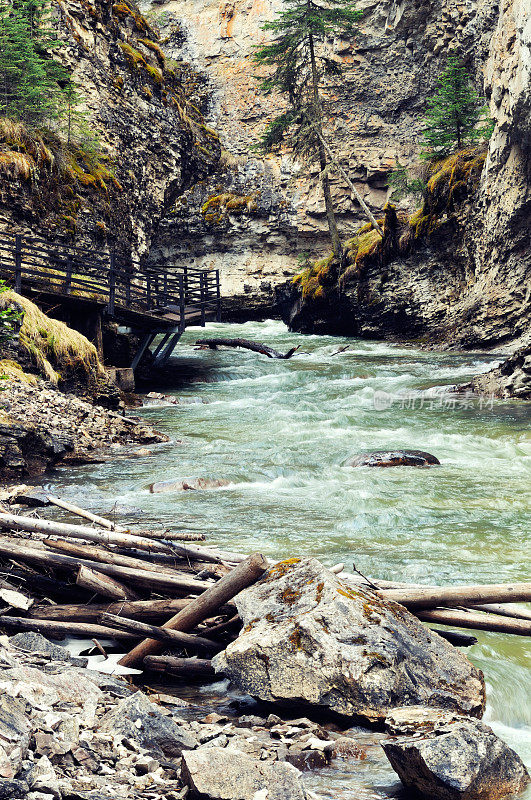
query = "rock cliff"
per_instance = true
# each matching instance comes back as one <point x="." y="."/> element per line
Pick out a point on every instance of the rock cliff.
<point x="465" y="286"/>
<point x="146" y="112"/>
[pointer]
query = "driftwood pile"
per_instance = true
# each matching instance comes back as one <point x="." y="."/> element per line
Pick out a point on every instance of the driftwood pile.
<point x="159" y="592"/>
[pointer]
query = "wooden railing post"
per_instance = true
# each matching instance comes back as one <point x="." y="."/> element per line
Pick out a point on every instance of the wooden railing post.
<point x="128" y="286"/>
<point x="148" y="291"/>
<point x="165" y="289"/>
<point x="186" y="281"/>
<point x="112" y="284"/>
<point x="182" y="303"/>
<point x="68" y="278"/>
<point x="202" y="290"/>
<point x="218" y="298"/>
<point x="18" y="262"/>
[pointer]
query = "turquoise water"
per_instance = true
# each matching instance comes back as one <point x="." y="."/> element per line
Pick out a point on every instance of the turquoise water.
<point x="281" y="431"/>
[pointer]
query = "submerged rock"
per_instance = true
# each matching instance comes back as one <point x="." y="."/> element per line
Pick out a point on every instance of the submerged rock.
<point x="461" y="761"/>
<point x="225" y="773"/>
<point x="310" y="638"/>
<point x="186" y="484"/>
<point x="394" y="458"/>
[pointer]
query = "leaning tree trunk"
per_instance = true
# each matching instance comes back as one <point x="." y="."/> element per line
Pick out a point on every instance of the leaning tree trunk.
<point x="323" y="162"/>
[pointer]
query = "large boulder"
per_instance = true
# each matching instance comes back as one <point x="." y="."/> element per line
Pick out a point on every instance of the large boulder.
<point x="394" y="458"/>
<point x="225" y="773"/>
<point x="464" y="760"/>
<point x="137" y="718"/>
<point x="309" y="637"/>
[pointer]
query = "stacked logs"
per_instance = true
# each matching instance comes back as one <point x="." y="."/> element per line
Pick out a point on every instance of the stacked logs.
<point x="158" y="591"/>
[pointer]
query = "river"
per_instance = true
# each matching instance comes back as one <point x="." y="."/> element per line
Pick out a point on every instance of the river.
<point x="281" y="431"/>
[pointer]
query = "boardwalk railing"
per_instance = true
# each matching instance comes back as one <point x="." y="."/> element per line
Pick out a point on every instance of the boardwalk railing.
<point x="106" y="279"/>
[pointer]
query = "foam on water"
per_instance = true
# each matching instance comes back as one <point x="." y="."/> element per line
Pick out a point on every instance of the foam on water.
<point x="281" y="433"/>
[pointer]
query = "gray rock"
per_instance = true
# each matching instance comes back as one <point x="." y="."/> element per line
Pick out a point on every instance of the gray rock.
<point x="394" y="458"/>
<point x="9" y="790"/>
<point x="461" y="761"/>
<point x="139" y="719"/>
<point x="32" y="642"/>
<point x="417" y="719"/>
<point x="15" y="731"/>
<point x="225" y="773"/>
<point x="308" y="637"/>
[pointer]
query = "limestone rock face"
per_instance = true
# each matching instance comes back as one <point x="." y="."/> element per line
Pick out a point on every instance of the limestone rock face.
<point x="461" y="761"/>
<point x="310" y="638"/>
<point x="225" y="773"/>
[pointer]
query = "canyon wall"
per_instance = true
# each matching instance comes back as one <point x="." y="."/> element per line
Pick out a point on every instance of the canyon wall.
<point x="470" y="284"/>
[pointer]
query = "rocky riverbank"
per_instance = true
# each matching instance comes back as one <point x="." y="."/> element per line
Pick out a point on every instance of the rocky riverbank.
<point x="72" y="733"/>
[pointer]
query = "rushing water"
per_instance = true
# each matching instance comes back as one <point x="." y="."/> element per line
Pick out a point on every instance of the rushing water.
<point x="281" y="432"/>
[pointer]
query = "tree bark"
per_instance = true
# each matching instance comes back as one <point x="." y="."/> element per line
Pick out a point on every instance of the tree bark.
<point x="203" y="606"/>
<point x="140" y="577"/>
<point x="183" y="667"/>
<point x="103" y="584"/>
<point x="106" y="556"/>
<point x="175" y="638"/>
<point x="483" y="622"/>
<point x="59" y="630"/>
<point x="431" y="597"/>
<point x="150" y="610"/>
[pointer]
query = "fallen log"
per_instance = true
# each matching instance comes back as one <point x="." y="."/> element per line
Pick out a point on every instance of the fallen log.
<point x="80" y="512"/>
<point x="256" y="347"/>
<point x="147" y="610"/>
<point x="455" y="638"/>
<point x="150" y="580"/>
<point x="45" y="526"/>
<point x="59" y="630"/>
<point x="183" y="667"/>
<point x="103" y="584"/>
<point x="203" y="606"/>
<point x="483" y="622"/>
<point x="432" y="597"/>
<point x="105" y="556"/>
<point x="175" y="638"/>
<point x="504" y="609"/>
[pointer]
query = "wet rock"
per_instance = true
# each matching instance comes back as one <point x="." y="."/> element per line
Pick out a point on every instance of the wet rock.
<point x="417" y="719"/>
<point x="461" y="761"/>
<point x="139" y="719"/>
<point x="186" y="484"/>
<point x="394" y="458"/>
<point x="27" y="449"/>
<point x="306" y="760"/>
<point x="32" y="642"/>
<point x="216" y="773"/>
<point x="512" y="378"/>
<point x="310" y="638"/>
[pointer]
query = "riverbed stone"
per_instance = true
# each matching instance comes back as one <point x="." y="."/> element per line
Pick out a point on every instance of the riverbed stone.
<point x="15" y="731"/>
<point x="187" y="484"/>
<point x="137" y="718"/>
<point x="309" y="637"/>
<point x="464" y="760"/>
<point x="394" y="458"/>
<point x="226" y="773"/>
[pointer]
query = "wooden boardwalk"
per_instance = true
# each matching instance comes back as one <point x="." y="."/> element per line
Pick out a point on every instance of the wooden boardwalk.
<point x="151" y="301"/>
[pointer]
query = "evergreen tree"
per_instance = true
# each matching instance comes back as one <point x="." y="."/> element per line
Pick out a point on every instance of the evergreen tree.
<point x="31" y="82"/>
<point x="298" y="54"/>
<point x="451" y="121"/>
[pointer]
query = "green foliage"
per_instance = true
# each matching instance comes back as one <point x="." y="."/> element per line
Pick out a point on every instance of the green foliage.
<point x="10" y="319"/>
<point x="404" y="186"/>
<point x="452" y="120"/>
<point x="31" y="82"/>
<point x="301" y="64"/>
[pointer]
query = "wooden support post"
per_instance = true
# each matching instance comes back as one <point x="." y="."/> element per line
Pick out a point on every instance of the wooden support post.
<point x="160" y="345"/>
<point x="203" y="606"/>
<point x="218" y="297"/>
<point x="168" y="350"/>
<point x="112" y="284"/>
<point x="202" y="294"/>
<point x="183" y="293"/>
<point x="144" y="344"/>
<point x="68" y="278"/>
<point x="18" y="262"/>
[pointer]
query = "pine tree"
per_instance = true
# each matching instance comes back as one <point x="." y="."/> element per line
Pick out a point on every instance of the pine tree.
<point x="31" y="82"/>
<point x="451" y="121"/>
<point x="298" y="54"/>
